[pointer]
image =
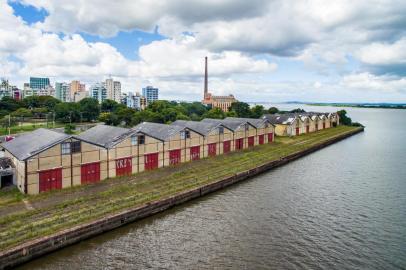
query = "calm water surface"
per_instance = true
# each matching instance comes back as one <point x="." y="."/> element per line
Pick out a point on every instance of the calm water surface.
<point x="343" y="207"/>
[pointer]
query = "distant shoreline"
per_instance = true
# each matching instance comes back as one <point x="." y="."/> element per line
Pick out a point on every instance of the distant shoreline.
<point x="368" y="106"/>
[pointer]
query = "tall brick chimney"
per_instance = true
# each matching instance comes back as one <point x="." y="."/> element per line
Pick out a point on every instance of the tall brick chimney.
<point x="206" y="91"/>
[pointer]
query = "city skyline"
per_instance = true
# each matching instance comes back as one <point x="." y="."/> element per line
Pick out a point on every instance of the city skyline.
<point x="342" y="52"/>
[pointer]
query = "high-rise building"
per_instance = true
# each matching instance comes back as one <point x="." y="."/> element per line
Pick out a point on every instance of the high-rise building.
<point x="98" y="91"/>
<point x="76" y="86"/>
<point x="222" y="102"/>
<point x="113" y="89"/>
<point x="78" y="96"/>
<point x="49" y="91"/>
<point x="136" y="101"/>
<point x="150" y="93"/>
<point x="62" y="92"/>
<point x="39" y="83"/>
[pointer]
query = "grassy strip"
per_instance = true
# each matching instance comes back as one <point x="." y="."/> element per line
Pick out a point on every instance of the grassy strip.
<point x="126" y="192"/>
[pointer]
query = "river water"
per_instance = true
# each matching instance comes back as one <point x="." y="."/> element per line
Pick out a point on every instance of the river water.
<point x="343" y="207"/>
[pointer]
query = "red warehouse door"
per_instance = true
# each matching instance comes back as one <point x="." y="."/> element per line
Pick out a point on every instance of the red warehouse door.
<point x="270" y="137"/>
<point x="251" y="141"/>
<point x="151" y="161"/>
<point x="50" y="179"/>
<point x="307" y="129"/>
<point x="226" y="146"/>
<point x="261" y="139"/>
<point x="212" y="149"/>
<point x="174" y="157"/>
<point x="297" y="131"/>
<point x="194" y="152"/>
<point x="90" y="173"/>
<point x="239" y="144"/>
<point x="124" y="166"/>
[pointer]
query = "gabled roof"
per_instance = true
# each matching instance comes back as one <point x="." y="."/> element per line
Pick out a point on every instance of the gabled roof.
<point x="257" y="123"/>
<point x="280" y="119"/>
<point x="161" y="132"/>
<point x="35" y="142"/>
<point x="105" y="136"/>
<point x="230" y="124"/>
<point x="203" y="128"/>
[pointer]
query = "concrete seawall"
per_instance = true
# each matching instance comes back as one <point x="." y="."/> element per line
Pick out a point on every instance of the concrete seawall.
<point x="35" y="248"/>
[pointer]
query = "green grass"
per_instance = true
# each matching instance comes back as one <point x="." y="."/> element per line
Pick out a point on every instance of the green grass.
<point x="28" y="127"/>
<point x="82" y="204"/>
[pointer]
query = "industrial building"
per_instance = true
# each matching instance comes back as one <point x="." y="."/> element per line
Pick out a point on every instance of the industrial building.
<point x="222" y="102"/>
<point x="45" y="159"/>
<point x="217" y="138"/>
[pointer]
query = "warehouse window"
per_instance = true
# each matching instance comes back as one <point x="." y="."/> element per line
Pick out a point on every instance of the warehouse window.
<point x="65" y="148"/>
<point x="185" y="134"/>
<point x="141" y="139"/>
<point x="247" y="127"/>
<point x="221" y="130"/>
<point x="76" y="147"/>
<point x="134" y="140"/>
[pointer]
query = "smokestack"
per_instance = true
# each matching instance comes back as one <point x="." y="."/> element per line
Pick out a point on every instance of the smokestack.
<point x="205" y="78"/>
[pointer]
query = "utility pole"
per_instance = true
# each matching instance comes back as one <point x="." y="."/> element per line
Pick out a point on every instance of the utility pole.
<point x="9" y="124"/>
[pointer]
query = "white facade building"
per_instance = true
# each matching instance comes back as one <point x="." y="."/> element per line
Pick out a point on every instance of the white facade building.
<point x="113" y="89"/>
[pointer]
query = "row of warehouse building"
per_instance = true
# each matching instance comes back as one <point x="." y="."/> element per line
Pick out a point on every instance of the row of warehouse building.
<point x="46" y="159"/>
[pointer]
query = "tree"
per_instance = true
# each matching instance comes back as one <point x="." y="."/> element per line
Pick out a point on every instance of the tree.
<point x="48" y="102"/>
<point x="231" y="114"/>
<point x="257" y="111"/>
<point x="109" y="118"/>
<point x="41" y="102"/>
<point x="242" y="109"/>
<point x="6" y="121"/>
<point x="215" y="113"/>
<point x="273" y="110"/>
<point x="159" y="106"/>
<point x="196" y="108"/>
<point x="109" y="105"/>
<point x="344" y="119"/>
<point x="146" y="116"/>
<point x="69" y="128"/>
<point x="67" y="112"/>
<point x="90" y="109"/>
<point x="182" y="116"/>
<point x="298" y="110"/>
<point x="22" y="112"/>
<point x="125" y="116"/>
<point x="9" y="104"/>
<point x="39" y="112"/>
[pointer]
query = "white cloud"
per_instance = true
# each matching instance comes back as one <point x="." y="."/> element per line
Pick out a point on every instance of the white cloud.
<point x="234" y="34"/>
<point x="384" y="53"/>
<point x="369" y="82"/>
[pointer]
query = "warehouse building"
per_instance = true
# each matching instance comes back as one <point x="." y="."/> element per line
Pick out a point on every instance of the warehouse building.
<point x="243" y="132"/>
<point x="285" y="124"/>
<point x="121" y="149"/>
<point x="265" y="130"/>
<point x="45" y="159"/>
<point x="166" y="145"/>
<point x="217" y="138"/>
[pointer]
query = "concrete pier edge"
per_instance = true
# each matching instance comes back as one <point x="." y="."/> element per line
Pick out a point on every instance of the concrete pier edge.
<point x="41" y="246"/>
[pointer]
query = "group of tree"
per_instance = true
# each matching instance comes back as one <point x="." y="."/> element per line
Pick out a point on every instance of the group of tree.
<point x="47" y="107"/>
<point x="346" y="120"/>
<point x="163" y="111"/>
<point x="113" y="113"/>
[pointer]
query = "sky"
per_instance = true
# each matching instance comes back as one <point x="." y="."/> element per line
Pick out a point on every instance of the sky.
<point x="258" y="50"/>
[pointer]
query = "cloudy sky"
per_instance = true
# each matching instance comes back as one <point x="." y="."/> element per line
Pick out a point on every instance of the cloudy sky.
<point x="259" y="50"/>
